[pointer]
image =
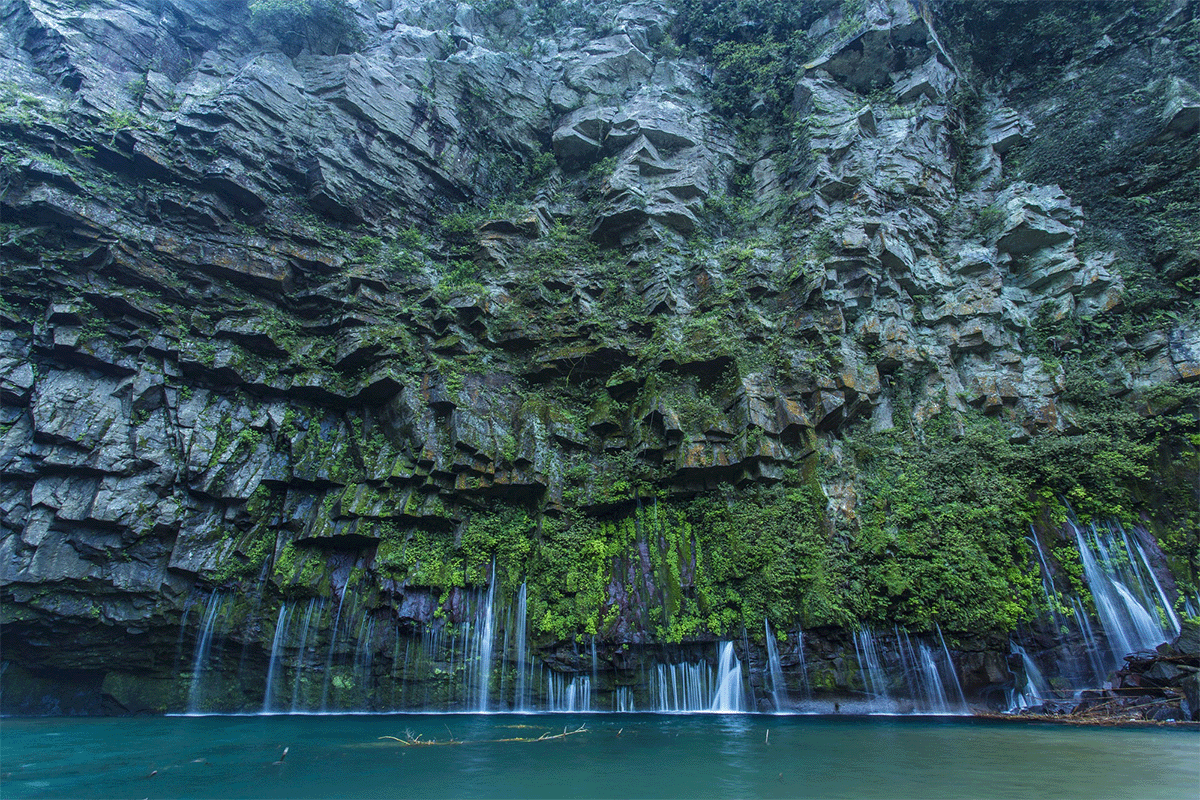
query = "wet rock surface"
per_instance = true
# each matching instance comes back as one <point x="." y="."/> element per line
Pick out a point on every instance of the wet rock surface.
<point x="246" y="316"/>
<point x="1159" y="686"/>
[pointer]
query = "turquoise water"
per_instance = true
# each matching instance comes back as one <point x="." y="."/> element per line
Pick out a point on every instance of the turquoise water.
<point x="618" y="755"/>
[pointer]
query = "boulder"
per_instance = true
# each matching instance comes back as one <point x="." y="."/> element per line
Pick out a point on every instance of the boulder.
<point x="1005" y="129"/>
<point x="1181" y="112"/>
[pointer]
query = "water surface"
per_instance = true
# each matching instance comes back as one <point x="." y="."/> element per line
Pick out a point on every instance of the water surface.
<point x="618" y="755"/>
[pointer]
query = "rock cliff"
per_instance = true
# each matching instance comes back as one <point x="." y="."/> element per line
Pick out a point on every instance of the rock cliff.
<point x="661" y="326"/>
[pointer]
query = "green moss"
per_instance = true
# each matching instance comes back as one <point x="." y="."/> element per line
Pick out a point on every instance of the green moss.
<point x="286" y="564"/>
<point x="247" y="557"/>
<point x="756" y="46"/>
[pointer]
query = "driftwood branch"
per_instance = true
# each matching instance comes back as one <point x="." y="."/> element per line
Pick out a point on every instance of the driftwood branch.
<point x="414" y="740"/>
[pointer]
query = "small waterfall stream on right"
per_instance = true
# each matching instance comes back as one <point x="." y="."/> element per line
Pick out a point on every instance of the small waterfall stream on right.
<point x="1128" y="613"/>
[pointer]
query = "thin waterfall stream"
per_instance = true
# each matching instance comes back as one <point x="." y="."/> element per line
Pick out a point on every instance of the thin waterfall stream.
<point x="779" y="695"/>
<point x="336" y="653"/>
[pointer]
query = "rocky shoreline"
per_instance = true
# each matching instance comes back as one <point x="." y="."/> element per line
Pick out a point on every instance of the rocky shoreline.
<point x="1105" y="722"/>
<point x="1160" y="686"/>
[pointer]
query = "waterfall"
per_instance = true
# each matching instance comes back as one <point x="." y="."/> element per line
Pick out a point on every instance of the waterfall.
<point x="1128" y="614"/>
<point x="204" y="639"/>
<point x="690" y="687"/>
<point x="364" y="655"/>
<point x="183" y="616"/>
<point x="681" y="687"/>
<point x="921" y="688"/>
<point x="1090" y="644"/>
<point x="1173" y="624"/>
<point x="1034" y="692"/>
<point x="962" y="698"/>
<point x="332" y="647"/>
<point x="935" y="691"/>
<point x="482" y="643"/>
<point x="521" y="694"/>
<point x="804" y="684"/>
<point x="1048" y="590"/>
<point x="573" y="694"/>
<point x="874" y="677"/>
<point x="595" y="679"/>
<point x="623" y="700"/>
<point x="301" y="651"/>
<point x="779" y="694"/>
<point x="1132" y="611"/>
<point x="277" y="643"/>
<point x="729" y="696"/>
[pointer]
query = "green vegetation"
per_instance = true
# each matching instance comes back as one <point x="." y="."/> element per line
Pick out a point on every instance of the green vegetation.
<point x="323" y="26"/>
<point x="941" y="535"/>
<point x="936" y="532"/>
<point x="951" y="510"/>
<point x="1104" y="143"/>
<point x="756" y="46"/>
<point x="943" y="527"/>
<point x="22" y="108"/>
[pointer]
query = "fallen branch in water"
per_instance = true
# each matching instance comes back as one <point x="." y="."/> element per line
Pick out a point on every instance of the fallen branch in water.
<point x="1114" y="708"/>
<point x="414" y="740"/>
<point x="410" y="740"/>
<point x="547" y="736"/>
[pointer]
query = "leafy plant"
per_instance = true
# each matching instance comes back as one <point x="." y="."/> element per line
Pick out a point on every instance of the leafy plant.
<point x="323" y="26"/>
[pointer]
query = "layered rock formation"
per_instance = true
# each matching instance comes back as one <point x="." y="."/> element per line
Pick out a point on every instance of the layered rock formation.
<point x="465" y="301"/>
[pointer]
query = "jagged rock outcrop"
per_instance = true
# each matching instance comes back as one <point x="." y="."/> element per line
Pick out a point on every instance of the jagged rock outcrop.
<point x="282" y="323"/>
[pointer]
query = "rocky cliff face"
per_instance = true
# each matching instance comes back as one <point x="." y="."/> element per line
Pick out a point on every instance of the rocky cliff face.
<point x="507" y="295"/>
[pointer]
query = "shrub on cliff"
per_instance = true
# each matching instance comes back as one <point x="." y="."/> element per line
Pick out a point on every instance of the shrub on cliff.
<point x="322" y="26"/>
<point x="756" y="47"/>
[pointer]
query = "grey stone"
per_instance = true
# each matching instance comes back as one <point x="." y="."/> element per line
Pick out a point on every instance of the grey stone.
<point x="1006" y="129"/>
<point x="1181" y="112"/>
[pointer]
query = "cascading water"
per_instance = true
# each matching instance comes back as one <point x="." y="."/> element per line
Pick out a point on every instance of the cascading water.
<point x="568" y="693"/>
<point x="874" y="676"/>
<point x="931" y="682"/>
<point x="482" y="646"/>
<point x="276" y="647"/>
<point x="1048" y="592"/>
<point x="805" y="687"/>
<point x="364" y="654"/>
<point x="1035" y="689"/>
<point x="1131" y="617"/>
<point x="917" y="676"/>
<point x="681" y="687"/>
<point x="695" y="686"/>
<point x="183" y="618"/>
<point x="208" y="628"/>
<point x="921" y="675"/>
<point x="457" y="664"/>
<point x="302" y="650"/>
<point x="521" y="693"/>
<point x="779" y="695"/>
<point x="1090" y="644"/>
<point x="1131" y="613"/>
<point x="332" y="649"/>
<point x="595" y="665"/>
<point x="958" y="690"/>
<point x="729" y="696"/>
<point x="480" y="659"/>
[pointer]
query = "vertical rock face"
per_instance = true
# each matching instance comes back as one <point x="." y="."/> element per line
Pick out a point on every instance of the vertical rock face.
<point x="504" y="293"/>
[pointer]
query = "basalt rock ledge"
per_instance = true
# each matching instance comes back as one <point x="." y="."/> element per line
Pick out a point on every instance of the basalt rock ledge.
<point x="660" y="354"/>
